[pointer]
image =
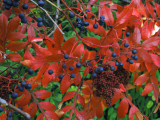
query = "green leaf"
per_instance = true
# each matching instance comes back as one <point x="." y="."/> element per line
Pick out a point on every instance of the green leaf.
<point x="150" y="104"/>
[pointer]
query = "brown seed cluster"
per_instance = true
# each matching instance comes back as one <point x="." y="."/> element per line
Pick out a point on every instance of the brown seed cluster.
<point x="106" y="81"/>
<point x="7" y="85"/>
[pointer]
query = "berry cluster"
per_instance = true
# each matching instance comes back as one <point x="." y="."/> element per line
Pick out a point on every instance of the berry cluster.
<point x="23" y="85"/>
<point x="22" y="17"/>
<point x="80" y="24"/>
<point x="10" y="3"/>
<point x="106" y="80"/>
<point x="40" y="23"/>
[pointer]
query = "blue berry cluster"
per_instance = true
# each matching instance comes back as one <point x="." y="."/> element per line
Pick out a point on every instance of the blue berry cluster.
<point x="24" y="85"/>
<point x="22" y="17"/>
<point x="133" y="57"/>
<point x="80" y="24"/>
<point x="10" y="3"/>
<point x="39" y="22"/>
<point x="101" y="21"/>
<point x="97" y="71"/>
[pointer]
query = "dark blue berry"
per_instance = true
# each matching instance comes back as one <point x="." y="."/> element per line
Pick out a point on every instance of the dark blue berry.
<point x="72" y="75"/>
<point x="126" y="45"/>
<point x="66" y="56"/>
<point x="21" y="89"/>
<point x="24" y="20"/>
<point x="113" y="54"/>
<point x="102" y="17"/>
<point x="112" y="68"/>
<point x="96" y="70"/>
<point x="15" y="4"/>
<point x="7" y="7"/>
<point x="21" y="15"/>
<point x="25" y="6"/>
<point x="17" y="86"/>
<point x="60" y="76"/>
<point x="14" y="95"/>
<point x="23" y="83"/>
<point x="127" y="34"/>
<point x="64" y="65"/>
<point x="121" y="64"/>
<point x="9" y="2"/>
<point x="41" y="3"/>
<point x="5" y="1"/>
<point x="79" y="25"/>
<point x="95" y="26"/>
<point x="135" y="57"/>
<point x="134" y="51"/>
<point x="78" y="65"/>
<point x="39" y="19"/>
<point x="71" y="68"/>
<point x="30" y="71"/>
<point x="71" y="14"/>
<point x="101" y="23"/>
<point x="80" y="22"/>
<point x="20" y="108"/>
<point x="77" y="19"/>
<point x="28" y="86"/>
<point x="94" y="75"/>
<point x="87" y="10"/>
<point x="111" y="26"/>
<point x="127" y="59"/>
<point x="1" y="109"/>
<point x="132" y="56"/>
<point x="89" y="63"/>
<point x="82" y="28"/>
<point x="40" y="24"/>
<point x="86" y="23"/>
<point x="116" y="63"/>
<point x="50" y="72"/>
<point x="131" y="61"/>
<point x="100" y="69"/>
<point x="9" y="118"/>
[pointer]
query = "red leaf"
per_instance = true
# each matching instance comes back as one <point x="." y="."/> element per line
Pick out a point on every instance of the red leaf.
<point x="156" y="59"/>
<point x="42" y="94"/>
<point x="145" y="31"/>
<point x="81" y="100"/>
<point x="54" y="58"/>
<point x="148" y="88"/>
<point x="155" y="87"/>
<point x="14" y="36"/>
<point x="68" y="96"/>
<point x="3" y="26"/>
<point x="33" y="109"/>
<point x="15" y="46"/>
<point x="65" y="84"/>
<point x="91" y="42"/>
<point x="85" y="55"/>
<point x="40" y="117"/>
<point x="78" y="50"/>
<point x="150" y="9"/>
<point x="108" y="15"/>
<point x="137" y="35"/>
<point x="150" y="43"/>
<point x="141" y="79"/>
<point x="31" y="32"/>
<point x="67" y="108"/>
<point x="58" y="38"/>
<point x="122" y="108"/>
<point x="47" y="106"/>
<point x="132" y="111"/>
<point x="25" y="99"/>
<point x="77" y="79"/>
<point x="99" y="110"/>
<point x="51" y="115"/>
<point x="157" y="7"/>
<point x="14" y="57"/>
<point x="117" y="95"/>
<point x="68" y="45"/>
<point x="124" y="15"/>
<point x="86" y="71"/>
<point x="13" y="24"/>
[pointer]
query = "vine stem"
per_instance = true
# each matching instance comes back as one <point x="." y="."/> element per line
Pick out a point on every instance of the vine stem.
<point x="25" y="114"/>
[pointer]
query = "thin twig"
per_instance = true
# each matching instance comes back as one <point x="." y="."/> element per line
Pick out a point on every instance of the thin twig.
<point x="48" y="16"/>
<point x="25" y="114"/>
